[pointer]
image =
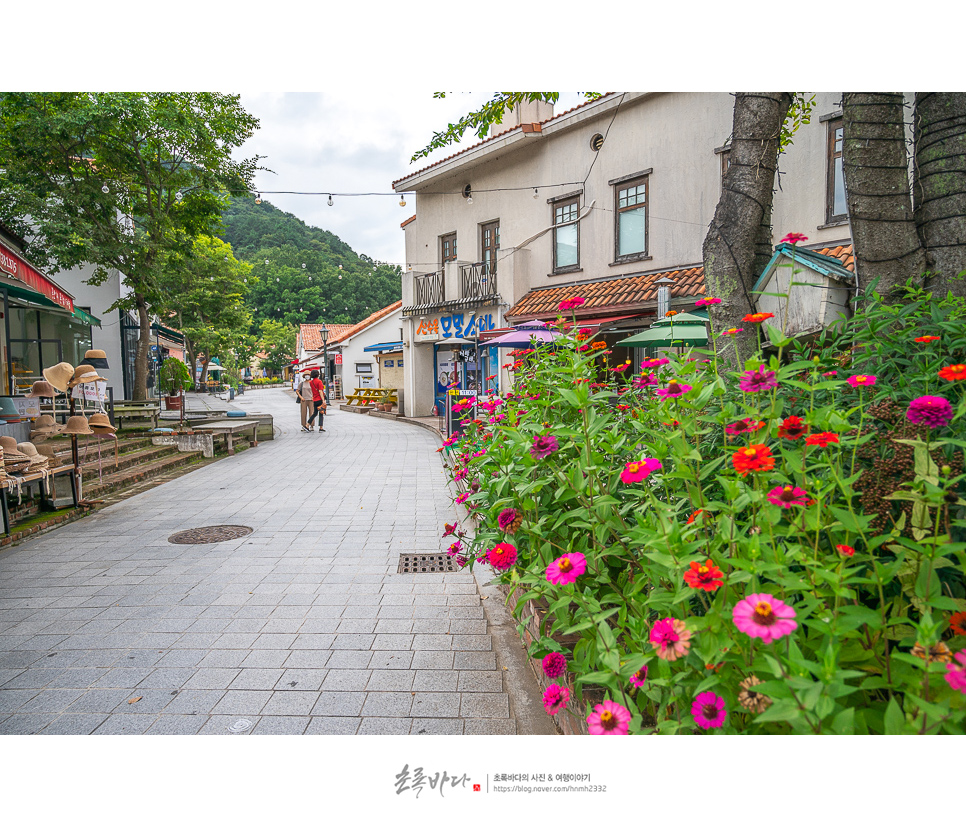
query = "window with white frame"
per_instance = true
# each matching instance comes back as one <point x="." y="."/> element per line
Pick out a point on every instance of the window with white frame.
<point x="631" y="219"/>
<point x="566" y="237"/>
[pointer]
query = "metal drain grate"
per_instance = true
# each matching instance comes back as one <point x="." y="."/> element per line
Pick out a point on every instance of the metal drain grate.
<point x="210" y="535"/>
<point x="426" y="563"/>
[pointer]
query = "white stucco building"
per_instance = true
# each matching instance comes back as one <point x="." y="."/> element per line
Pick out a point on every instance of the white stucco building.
<point x="599" y="201"/>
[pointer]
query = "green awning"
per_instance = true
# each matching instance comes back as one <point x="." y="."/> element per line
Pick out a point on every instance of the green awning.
<point x="685" y="335"/>
<point x="167" y="331"/>
<point x="86" y="317"/>
<point x="31" y="296"/>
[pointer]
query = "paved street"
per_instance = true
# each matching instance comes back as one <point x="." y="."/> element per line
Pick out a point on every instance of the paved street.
<point x="304" y="626"/>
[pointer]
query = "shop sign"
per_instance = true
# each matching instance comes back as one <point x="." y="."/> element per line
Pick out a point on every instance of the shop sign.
<point x="459" y="325"/>
<point x="338" y="359"/>
<point x="27" y="407"/>
<point x="22" y="271"/>
<point x="92" y="392"/>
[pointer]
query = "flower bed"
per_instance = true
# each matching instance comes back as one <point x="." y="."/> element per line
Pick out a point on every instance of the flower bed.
<point x="774" y="549"/>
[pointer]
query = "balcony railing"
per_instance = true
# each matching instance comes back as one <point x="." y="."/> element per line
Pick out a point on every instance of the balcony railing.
<point x="478" y="280"/>
<point x="429" y="288"/>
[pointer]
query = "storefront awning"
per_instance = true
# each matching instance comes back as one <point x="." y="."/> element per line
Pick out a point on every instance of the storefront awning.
<point x="384" y="347"/>
<point x="174" y="335"/>
<point x="41" y="300"/>
<point x="86" y="317"/>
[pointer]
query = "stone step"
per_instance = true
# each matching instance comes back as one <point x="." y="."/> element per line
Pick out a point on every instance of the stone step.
<point x="98" y="488"/>
<point x="140" y="456"/>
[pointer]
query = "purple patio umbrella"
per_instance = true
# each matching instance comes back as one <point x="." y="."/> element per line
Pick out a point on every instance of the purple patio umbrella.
<point x="525" y="335"/>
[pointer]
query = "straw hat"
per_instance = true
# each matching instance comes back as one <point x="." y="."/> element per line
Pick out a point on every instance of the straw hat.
<point x="100" y="424"/>
<point x="44" y="427"/>
<point x="42" y="388"/>
<point x="59" y="376"/>
<point x="77" y="425"/>
<point x="48" y="450"/>
<point x="96" y="359"/>
<point x="8" y="444"/>
<point x="31" y="452"/>
<point x="85" y="373"/>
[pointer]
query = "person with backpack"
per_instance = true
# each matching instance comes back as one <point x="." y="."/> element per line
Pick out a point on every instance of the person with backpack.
<point x="318" y="400"/>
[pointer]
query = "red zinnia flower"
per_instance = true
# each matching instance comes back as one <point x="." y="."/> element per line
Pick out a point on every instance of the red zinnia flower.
<point x="758" y="318"/>
<point x="693" y="516"/>
<point x="926" y="339"/>
<point x="793" y="238"/>
<point x="756" y="457"/>
<point x="845" y="550"/>
<point x="953" y="372"/>
<point x="707" y="577"/>
<point x="793" y="428"/>
<point x="823" y="438"/>
<point x="958" y="622"/>
<point x="503" y="556"/>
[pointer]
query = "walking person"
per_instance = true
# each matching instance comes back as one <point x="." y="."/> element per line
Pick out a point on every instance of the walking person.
<point x="318" y="400"/>
<point x="304" y="396"/>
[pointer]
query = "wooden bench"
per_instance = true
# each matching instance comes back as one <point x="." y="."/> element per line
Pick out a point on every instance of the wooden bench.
<point x="230" y="428"/>
<point x="368" y="396"/>
<point x="48" y="499"/>
<point x="137" y="410"/>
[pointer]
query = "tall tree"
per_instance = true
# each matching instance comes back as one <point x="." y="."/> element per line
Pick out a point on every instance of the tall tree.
<point x="278" y="342"/>
<point x="735" y="244"/>
<point x="117" y="180"/>
<point x="875" y="165"/>
<point x="939" y="189"/>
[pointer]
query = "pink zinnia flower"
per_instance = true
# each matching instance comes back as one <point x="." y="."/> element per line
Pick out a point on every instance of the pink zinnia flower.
<point x="506" y="518"/>
<point x="503" y="556"/>
<point x="731" y="331"/>
<point x="654" y="363"/>
<point x="744" y="427"/>
<point x="674" y="389"/>
<point x="704" y="302"/>
<point x="449" y="441"/>
<point x="670" y="638"/>
<point x="639" y="677"/>
<point x="571" y="303"/>
<point x="761" y="615"/>
<point x="641" y="382"/>
<point x="859" y="380"/>
<point x="933" y="411"/>
<point x="455" y="548"/>
<point x="956" y="676"/>
<point x="449" y="530"/>
<point x="554" y="665"/>
<point x="461" y="498"/>
<point x="555" y="698"/>
<point x="760" y="380"/>
<point x="788" y="495"/>
<point x="638" y="470"/>
<point x="793" y="238"/>
<point x="566" y="569"/>
<point x="543" y="445"/>
<point x="708" y="710"/>
<point x="608" y="719"/>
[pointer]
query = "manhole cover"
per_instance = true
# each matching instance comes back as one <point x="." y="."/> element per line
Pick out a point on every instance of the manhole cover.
<point x="208" y="535"/>
<point x="240" y="726"/>
<point x="426" y="563"/>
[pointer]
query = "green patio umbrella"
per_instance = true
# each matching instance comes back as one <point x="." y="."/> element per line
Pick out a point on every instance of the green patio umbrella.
<point x="683" y="329"/>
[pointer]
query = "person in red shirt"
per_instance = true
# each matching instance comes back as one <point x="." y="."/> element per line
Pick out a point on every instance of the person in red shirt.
<point x="318" y="401"/>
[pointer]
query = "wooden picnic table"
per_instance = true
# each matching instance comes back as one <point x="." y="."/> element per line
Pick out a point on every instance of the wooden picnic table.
<point x="368" y="396"/>
<point x="230" y="428"/>
<point x="123" y="412"/>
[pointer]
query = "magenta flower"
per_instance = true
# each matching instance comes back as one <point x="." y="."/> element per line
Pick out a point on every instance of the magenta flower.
<point x="642" y="382"/>
<point x="653" y="363"/>
<point x="760" y="380"/>
<point x="449" y="441"/>
<point x="788" y="495"/>
<point x="674" y="389"/>
<point x="860" y="380"/>
<point x="745" y="426"/>
<point x="956" y="676"/>
<point x="933" y="411"/>
<point x="460" y="474"/>
<point x="670" y="638"/>
<point x="503" y="556"/>
<point x="461" y="498"/>
<point x="571" y="303"/>
<point x="636" y="471"/>
<point x="794" y="238"/>
<point x="506" y="518"/>
<point x="555" y="698"/>
<point x="543" y="445"/>
<point x="608" y="719"/>
<point x="566" y="569"/>
<point x="554" y="665"/>
<point x="704" y="302"/>
<point x="761" y="615"/>
<point x="455" y="548"/>
<point x="708" y="710"/>
<point x="639" y="677"/>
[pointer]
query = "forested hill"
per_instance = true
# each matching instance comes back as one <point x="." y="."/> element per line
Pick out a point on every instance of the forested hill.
<point x="335" y="285"/>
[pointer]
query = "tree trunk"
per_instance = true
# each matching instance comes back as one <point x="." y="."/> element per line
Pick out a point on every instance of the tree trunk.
<point x="939" y="188"/>
<point x="876" y="169"/>
<point x="189" y="350"/>
<point x="739" y="234"/>
<point x="143" y="349"/>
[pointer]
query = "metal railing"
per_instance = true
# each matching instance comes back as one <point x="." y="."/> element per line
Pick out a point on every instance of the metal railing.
<point x="478" y="280"/>
<point x="429" y="288"/>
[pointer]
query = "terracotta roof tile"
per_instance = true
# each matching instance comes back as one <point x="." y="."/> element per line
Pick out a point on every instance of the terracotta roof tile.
<point x="632" y="293"/>
<point x="405" y="223"/>
<point x="534" y="127"/>
<point x="312" y="340"/>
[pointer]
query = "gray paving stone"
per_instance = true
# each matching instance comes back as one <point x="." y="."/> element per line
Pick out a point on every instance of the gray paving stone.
<point x="274" y="725"/>
<point x="124" y="725"/>
<point x="436" y="705"/>
<point x="98" y="701"/>
<point x="241" y="702"/>
<point x="290" y="703"/>
<point x="295" y="680"/>
<point x="489" y="705"/>
<point x="353" y="641"/>
<point x="472" y="642"/>
<point x="394" y="680"/>
<point x="74" y="724"/>
<point x="437" y="727"/>
<point x="433" y="660"/>
<point x="391" y="660"/>
<point x="339" y="703"/>
<point x="384" y="727"/>
<point x="392" y="642"/>
<point x="274" y="641"/>
<point x="489" y="727"/>
<point x="333" y="726"/>
<point x="480" y="682"/>
<point x="432" y="642"/>
<point x="149" y="701"/>
<point x="266" y="659"/>
<point x="388" y="704"/>
<point x="166" y="678"/>
<point x="343" y="660"/>
<point x="435" y="680"/>
<point x="346" y="680"/>
<point x="51" y="700"/>
<point x="193" y="702"/>
<point x="483" y="661"/>
<point x="26" y="723"/>
<point x="177" y="725"/>
<point x="211" y="678"/>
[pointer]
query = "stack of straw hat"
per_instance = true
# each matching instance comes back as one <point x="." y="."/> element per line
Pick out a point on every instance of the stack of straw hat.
<point x="44" y="428"/>
<point x="60" y="376"/>
<point x="15" y="462"/>
<point x="99" y="424"/>
<point x="38" y="462"/>
<point x="48" y="451"/>
<point x="85" y="373"/>
<point x="77" y="425"/>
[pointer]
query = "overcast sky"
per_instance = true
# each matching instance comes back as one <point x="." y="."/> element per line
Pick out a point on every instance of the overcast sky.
<point x="349" y="143"/>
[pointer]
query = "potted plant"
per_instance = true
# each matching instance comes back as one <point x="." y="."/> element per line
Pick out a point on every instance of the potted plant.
<point x="173" y="377"/>
<point x="385" y="403"/>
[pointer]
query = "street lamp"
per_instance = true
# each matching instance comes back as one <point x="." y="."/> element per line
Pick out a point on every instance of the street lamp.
<point x="324" y="333"/>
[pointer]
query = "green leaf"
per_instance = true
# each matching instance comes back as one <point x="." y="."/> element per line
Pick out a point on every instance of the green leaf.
<point x="895" y="719"/>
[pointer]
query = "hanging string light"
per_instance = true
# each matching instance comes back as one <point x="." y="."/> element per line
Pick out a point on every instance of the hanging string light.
<point x="330" y="201"/>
